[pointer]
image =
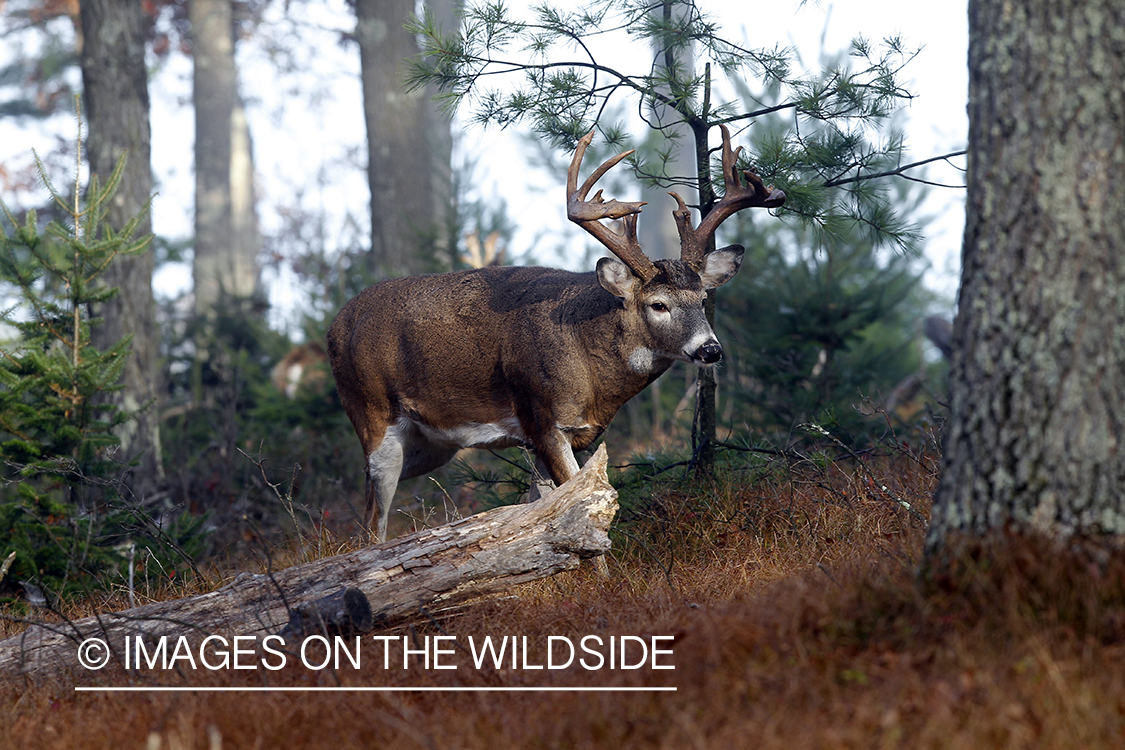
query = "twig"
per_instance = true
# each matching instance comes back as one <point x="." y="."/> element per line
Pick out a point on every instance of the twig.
<point x="899" y="172"/>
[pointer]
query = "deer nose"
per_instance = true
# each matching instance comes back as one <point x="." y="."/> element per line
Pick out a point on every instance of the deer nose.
<point x="710" y="353"/>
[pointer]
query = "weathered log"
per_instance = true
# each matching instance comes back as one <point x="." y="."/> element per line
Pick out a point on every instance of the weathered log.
<point x="346" y="612"/>
<point x="480" y="555"/>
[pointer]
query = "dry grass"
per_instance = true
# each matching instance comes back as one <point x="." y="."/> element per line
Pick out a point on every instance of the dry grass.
<point x="799" y="622"/>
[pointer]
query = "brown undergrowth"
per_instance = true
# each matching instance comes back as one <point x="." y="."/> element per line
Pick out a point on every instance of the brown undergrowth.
<point x="797" y="619"/>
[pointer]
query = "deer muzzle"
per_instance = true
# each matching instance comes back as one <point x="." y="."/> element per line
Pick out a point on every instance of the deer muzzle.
<point x="710" y="353"/>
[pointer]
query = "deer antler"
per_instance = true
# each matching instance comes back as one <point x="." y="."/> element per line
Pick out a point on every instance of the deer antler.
<point x="736" y="196"/>
<point x="589" y="213"/>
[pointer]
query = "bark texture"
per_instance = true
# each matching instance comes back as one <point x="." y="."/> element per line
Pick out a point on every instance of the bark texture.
<point x="408" y="144"/>
<point x="115" y="85"/>
<point x="480" y="555"/>
<point x="226" y="233"/>
<point x="1037" y="432"/>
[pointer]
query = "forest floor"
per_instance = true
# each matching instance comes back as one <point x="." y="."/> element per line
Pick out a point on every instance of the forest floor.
<point x="788" y="602"/>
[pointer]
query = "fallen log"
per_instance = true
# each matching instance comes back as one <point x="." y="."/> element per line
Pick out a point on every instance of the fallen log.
<point x="476" y="556"/>
<point x="347" y="612"/>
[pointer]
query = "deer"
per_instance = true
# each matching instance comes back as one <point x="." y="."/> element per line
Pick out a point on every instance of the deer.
<point x="301" y="367"/>
<point x="505" y="356"/>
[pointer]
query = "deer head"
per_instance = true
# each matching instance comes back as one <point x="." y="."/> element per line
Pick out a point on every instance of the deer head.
<point x="668" y="295"/>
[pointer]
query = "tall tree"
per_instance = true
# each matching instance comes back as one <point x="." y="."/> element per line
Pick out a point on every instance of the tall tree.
<point x="408" y="143"/>
<point x="1036" y="438"/>
<point x="658" y="233"/>
<point x="226" y="245"/>
<point x="115" y="83"/>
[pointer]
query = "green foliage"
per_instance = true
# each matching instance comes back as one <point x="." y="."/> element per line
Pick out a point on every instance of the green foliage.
<point x="70" y="552"/>
<point x="49" y="542"/>
<point x="503" y="480"/>
<point x="62" y="506"/>
<point x="50" y="375"/>
<point x="816" y="328"/>
<point x="812" y="132"/>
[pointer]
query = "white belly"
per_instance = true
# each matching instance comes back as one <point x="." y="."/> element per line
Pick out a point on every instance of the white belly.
<point x="502" y="434"/>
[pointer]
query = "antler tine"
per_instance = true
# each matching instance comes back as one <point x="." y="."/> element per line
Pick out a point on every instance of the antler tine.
<point x="736" y="196"/>
<point x="692" y="245"/>
<point x="588" y="213"/>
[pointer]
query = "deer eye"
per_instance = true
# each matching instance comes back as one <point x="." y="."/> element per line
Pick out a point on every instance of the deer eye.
<point x="659" y="307"/>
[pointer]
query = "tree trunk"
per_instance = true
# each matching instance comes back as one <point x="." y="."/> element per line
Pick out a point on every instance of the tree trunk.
<point x="439" y="137"/>
<point x="486" y="553"/>
<point x="115" y="83"/>
<point x="408" y="147"/>
<point x="224" y="268"/>
<point x="704" y="423"/>
<point x="1036" y="438"/>
<point x="658" y="233"/>
<point x="672" y="56"/>
<point x="246" y="238"/>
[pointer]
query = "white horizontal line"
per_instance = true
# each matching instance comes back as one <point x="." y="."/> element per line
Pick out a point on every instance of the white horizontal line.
<point x="362" y="689"/>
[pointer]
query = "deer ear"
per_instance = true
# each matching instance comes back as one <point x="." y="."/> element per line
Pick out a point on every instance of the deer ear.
<point x="616" y="278"/>
<point x="720" y="266"/>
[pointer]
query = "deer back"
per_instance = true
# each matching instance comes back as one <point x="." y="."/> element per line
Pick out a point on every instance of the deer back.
<point x="469" y="347"/>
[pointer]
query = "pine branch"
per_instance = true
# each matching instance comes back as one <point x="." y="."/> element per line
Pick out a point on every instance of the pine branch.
<point x="899" y="172"/>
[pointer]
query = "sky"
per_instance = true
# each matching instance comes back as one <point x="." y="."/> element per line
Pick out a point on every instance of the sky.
<point x="937" y="122"/>
<point x="306" y="118"/>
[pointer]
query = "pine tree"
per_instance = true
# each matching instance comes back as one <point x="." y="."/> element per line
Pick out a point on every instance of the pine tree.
<point x="51" y="375"/>
<point x="817" y="328"/>
<point x="63" y="525"/>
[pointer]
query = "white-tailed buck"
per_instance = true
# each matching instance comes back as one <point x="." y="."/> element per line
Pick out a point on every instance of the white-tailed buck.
<point x="505" y="356"/>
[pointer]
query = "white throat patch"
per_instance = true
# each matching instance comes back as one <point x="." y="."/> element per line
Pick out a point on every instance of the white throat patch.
<point x="641" y="360"/>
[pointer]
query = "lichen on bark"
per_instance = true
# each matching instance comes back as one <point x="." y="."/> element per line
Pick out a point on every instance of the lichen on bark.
<point x="1038" y="380"/>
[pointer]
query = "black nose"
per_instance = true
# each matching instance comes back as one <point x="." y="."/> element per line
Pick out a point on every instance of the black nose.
<point x="711" y="352"/>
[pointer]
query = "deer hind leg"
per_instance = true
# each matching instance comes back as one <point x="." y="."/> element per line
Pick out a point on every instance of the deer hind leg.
<point x="404" y="453"/>
<point x="384" y="467"/>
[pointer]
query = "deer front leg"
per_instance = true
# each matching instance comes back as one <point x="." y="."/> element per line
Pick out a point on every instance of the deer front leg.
<point x="542" y="478"/>
<point x="558" y="457"/>
<point x="554" y="464"/>
<point x="555" y="456"/>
